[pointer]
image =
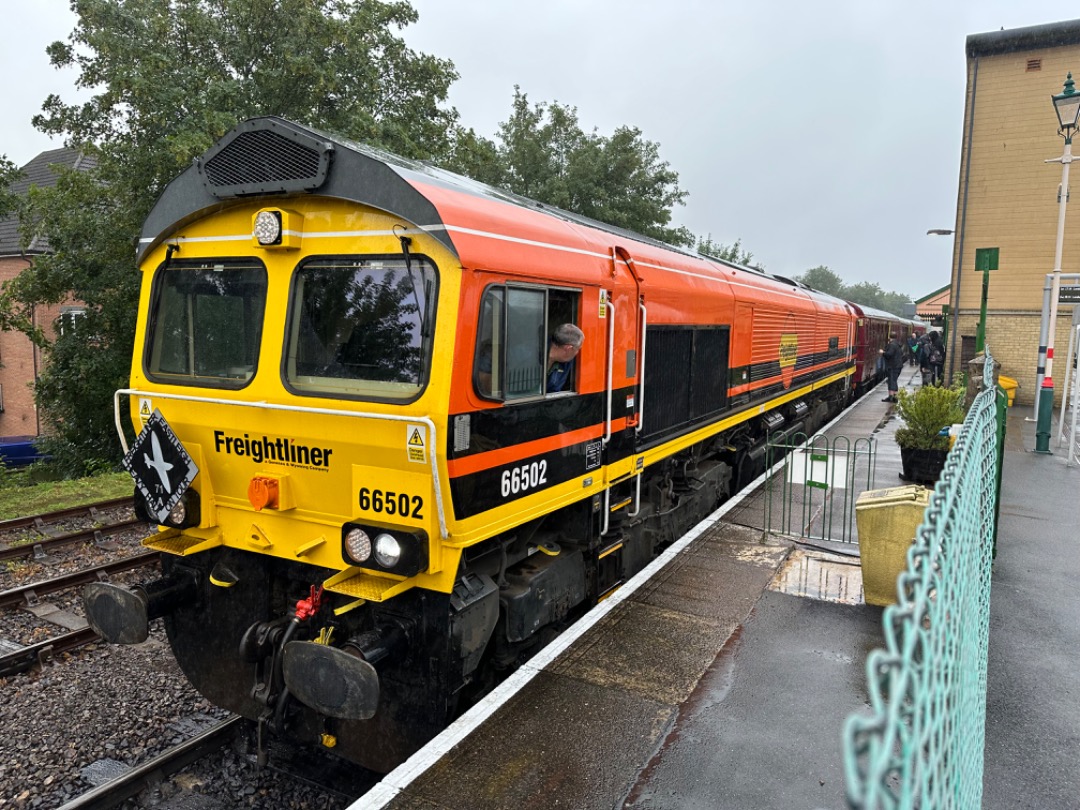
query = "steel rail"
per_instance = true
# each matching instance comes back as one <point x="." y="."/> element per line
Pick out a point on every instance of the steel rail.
<point x="60" y="514"/>
<point x="112" y="793"/>
<point x="38" y="547"/>
<point x="27" y="594"/>
<point x="26" y="657"/>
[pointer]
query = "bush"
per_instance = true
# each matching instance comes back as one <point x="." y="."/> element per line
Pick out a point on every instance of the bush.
<point x="925" y="412"/>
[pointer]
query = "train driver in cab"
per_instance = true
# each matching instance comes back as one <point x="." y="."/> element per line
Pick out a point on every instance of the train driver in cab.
<point x="565" y="345"/>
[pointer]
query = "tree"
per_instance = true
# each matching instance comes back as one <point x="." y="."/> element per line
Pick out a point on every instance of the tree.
<point x="169" y="79"/>
<point x="543" y="153"/>
<point x="9" y="173"/>
<point x="865" y="293"/>
<point x="823" y="279"/>
<point x="734" y="252"/>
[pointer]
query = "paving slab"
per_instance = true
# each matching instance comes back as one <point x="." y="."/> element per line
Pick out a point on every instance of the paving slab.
<point x="563" y="742"/>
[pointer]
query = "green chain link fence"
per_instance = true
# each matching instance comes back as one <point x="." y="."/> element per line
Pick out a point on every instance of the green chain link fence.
<point x="922" y="745"/>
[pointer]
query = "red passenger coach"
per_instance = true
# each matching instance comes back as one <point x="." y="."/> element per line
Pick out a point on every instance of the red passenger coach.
<point x="873" y="329"/>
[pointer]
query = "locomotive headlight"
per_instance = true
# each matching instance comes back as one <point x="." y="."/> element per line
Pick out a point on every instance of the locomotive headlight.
<point x="358" y="544"/>
<point x="186" y="513"/>
<point x="267" y="227"/>
<point x="398" y="550"/>
<point x="178" y="513"/>
<point x="387" y="551"/>
<point x="277" y="229"/>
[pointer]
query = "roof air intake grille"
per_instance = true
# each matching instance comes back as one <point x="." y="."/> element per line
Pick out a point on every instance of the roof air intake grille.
<point x="265" y="160"/>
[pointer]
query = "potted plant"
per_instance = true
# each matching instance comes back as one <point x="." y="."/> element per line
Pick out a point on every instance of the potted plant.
<point x="923" y="444"/>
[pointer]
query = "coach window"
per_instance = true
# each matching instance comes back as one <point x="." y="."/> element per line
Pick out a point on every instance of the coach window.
<point x="513" y="335"/>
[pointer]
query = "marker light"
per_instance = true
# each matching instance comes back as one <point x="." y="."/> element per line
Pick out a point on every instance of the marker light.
<point x="267" y="227"/>
<point x="358" y="545"/>
<point x="387" y="551"/>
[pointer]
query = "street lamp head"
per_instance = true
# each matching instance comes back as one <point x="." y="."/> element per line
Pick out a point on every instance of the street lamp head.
<point x="943" y="231"/>
<point x="1067" y="106"/>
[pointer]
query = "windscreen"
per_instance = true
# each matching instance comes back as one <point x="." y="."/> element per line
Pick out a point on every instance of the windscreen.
<point x="361" y="327"/>
<point x="206" y="323"/>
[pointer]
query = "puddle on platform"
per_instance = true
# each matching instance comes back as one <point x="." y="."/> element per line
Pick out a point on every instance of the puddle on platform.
<point x="820" y="575"/>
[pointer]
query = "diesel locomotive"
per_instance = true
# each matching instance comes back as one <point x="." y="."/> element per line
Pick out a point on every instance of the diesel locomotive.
<point x="372" y="499"/>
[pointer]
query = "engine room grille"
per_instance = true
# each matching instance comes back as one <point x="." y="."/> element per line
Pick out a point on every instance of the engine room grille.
<point x="266" y="159"/>
<point x="685" y="377"/>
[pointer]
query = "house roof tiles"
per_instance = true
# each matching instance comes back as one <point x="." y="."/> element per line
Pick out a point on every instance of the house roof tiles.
<point x="40" y="172"/>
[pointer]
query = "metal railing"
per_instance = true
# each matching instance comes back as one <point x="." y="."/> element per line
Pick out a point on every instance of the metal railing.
<point x="813" y="484"/>
<point x="922" y="745"/>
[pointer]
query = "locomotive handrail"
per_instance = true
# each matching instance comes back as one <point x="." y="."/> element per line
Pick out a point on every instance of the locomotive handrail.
<point x="641" y="408"/>
<point x="426" y="420"/>
<point x="610" y="360"/>
<point x="641" y="372"/>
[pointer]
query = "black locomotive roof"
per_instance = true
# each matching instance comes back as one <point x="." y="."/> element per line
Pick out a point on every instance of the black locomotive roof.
<point x="273" y="156"/>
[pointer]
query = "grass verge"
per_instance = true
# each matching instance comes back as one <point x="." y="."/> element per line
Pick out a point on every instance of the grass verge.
<point x="17" y="500"/>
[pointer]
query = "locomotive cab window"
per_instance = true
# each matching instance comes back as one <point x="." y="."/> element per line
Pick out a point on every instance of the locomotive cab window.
<point x="206" y="323"/>
<point x="523" y="349"/>
<point x="361" y="327"/>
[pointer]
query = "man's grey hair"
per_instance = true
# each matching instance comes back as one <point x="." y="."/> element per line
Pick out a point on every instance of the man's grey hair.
<point x="569" y="335"/>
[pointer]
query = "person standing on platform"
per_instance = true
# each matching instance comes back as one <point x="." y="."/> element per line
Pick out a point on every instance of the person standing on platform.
<point x="935" y="351"/>
<point x="893" y="356"/>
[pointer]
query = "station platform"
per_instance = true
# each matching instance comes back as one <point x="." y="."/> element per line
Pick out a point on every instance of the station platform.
<point x="723" y="674"/>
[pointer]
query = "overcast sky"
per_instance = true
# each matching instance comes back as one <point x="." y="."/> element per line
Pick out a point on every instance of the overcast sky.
<point x="822" y="133"/>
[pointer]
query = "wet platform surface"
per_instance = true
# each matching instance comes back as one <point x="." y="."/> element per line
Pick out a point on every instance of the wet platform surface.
<point x="725" y="678"/>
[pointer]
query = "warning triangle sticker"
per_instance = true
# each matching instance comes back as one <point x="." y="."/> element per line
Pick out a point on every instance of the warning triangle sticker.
<point x="144" y="410"/>
<point x="416" y="440"/>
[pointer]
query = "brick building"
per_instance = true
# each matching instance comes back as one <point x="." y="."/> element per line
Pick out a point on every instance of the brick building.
<point x="20" y="360"/>
<point x="1007" y="196"/>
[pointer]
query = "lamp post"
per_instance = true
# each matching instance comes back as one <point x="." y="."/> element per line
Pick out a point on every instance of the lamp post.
<point x="944" y="307"/>
<point x="1067" y="107"/>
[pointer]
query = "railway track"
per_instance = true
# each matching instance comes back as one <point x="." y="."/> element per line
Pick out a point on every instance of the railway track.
<point x="29" y="593"/>
<point x="42" y="521"/>
<point x="24" y="658"/>
<point x="112" y="793"/>
<point x="41" y="548"/>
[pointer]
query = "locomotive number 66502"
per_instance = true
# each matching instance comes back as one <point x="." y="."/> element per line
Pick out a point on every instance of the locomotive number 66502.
<point x="391" y="503"/>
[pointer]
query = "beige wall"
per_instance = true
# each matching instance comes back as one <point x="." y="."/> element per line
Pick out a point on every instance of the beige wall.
<point x="1013" y="340"/>
<point x="1011" y="203"/>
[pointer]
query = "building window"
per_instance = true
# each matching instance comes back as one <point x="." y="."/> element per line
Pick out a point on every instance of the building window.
<point x="69" y="317"/>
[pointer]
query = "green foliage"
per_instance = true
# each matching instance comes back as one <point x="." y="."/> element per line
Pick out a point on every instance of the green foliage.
<point x="925" y="412"/>
<point x="9" y="173"/>
<point x="169" y="79"/>
<point x="734" y="252"/>
<point x="823" y="279"/>
<point x="866" y="293"/>
<point x="543" y="153"/>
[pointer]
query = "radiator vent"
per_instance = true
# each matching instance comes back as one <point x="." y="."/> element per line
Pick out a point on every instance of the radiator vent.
<point x="686" y="371"/>
<point x="265" y="157"/>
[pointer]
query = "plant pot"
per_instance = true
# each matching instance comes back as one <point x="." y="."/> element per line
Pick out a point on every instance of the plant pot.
<point x="922" y="466"/>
